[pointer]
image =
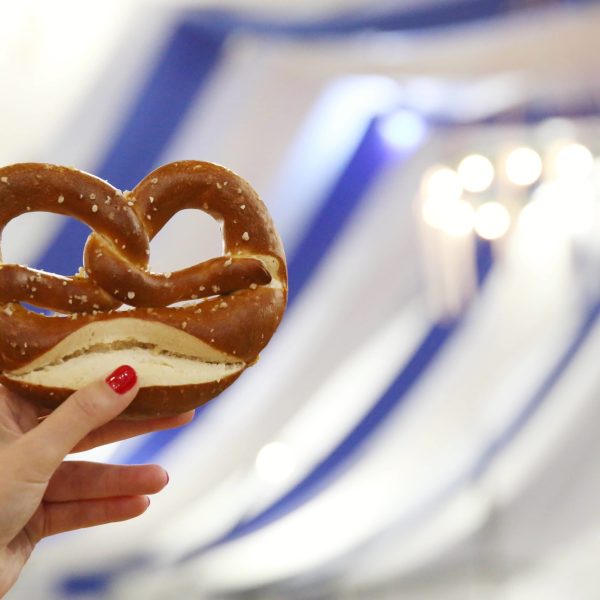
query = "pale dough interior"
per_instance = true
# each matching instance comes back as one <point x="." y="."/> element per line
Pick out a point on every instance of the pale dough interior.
<point x="161" y="355"/>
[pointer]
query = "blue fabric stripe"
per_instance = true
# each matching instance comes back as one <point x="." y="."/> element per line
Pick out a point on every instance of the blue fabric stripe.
<point x="344" y="200"/>
<point x="417" y="17"/>
<point x="97" y="583"/>
<point x="491" y="452"/>
<point x="325" y="472"/>
<point x="186" y="64"/>
<point x="148" y="447"/>
<point x="581" y="335"/>
<point x="496" y="445"/>
<point x="181" y="72"/>
<point x="483" y="259"/>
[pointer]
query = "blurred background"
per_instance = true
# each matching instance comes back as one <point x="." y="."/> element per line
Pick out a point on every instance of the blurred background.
<point x="425" y="423"/>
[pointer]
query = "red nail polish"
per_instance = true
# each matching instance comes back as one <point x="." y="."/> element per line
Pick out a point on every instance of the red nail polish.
<point x="122" y="379"/>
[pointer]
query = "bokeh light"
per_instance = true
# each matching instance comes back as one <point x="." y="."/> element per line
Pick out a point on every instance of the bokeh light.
<point x="442" y="182"/>
<point x="402" y="129"/>
<point x="476" y="173"/>
<point x="523" y="166"/>
<point x="460" y="219"/>
<point x="492" y="220"/>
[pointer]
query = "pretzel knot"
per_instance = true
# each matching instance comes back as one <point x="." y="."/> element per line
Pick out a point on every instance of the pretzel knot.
<point x="115" y="310"/>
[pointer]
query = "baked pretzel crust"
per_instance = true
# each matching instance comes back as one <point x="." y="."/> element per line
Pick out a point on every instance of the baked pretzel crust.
<point x="234" y="302"/>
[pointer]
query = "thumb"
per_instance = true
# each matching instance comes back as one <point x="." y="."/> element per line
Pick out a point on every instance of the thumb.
<point x="40" y="451"/>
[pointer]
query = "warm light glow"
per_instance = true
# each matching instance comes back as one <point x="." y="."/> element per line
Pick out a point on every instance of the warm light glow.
<point x="441" y="213"/>
<point x="275" y="462"/>
<point x="442" y="191"/>
<point x="523" y="166"/>
<point x="492" y="221"/>
<point x="442" y="183"/>
<point x="476" y="173"/>
<point x="460" y="219"/>
<point x="434" y="211"/>
<point x="402" y="129"/>
<point x="573" y="161"/>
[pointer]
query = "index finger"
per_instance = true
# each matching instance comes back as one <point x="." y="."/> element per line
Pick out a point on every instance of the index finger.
<point x="40" y="451"/>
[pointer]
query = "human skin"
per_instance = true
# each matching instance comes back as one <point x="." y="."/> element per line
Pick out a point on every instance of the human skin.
<point x="41" y="494"/>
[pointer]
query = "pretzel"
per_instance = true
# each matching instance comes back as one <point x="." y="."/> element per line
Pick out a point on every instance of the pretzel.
<point x="189" y="334"/>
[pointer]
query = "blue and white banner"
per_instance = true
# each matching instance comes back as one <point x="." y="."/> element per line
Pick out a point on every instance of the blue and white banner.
<point x="430" y="394"/>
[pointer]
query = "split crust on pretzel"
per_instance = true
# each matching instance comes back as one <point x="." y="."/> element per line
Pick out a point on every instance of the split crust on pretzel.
<point x="115" y="311"/>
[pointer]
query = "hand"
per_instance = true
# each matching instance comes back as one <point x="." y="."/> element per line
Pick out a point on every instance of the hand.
<point x="41" y="495"/>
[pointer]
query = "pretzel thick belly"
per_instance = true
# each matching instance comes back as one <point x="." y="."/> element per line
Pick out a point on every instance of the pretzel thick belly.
<point x="186" y="354"/>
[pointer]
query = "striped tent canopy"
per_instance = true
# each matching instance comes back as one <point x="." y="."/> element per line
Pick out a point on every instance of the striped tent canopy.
<point x="424" y="422"/>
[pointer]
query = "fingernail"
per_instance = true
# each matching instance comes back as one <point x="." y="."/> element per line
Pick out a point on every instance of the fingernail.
<point x="122" y="379"/>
